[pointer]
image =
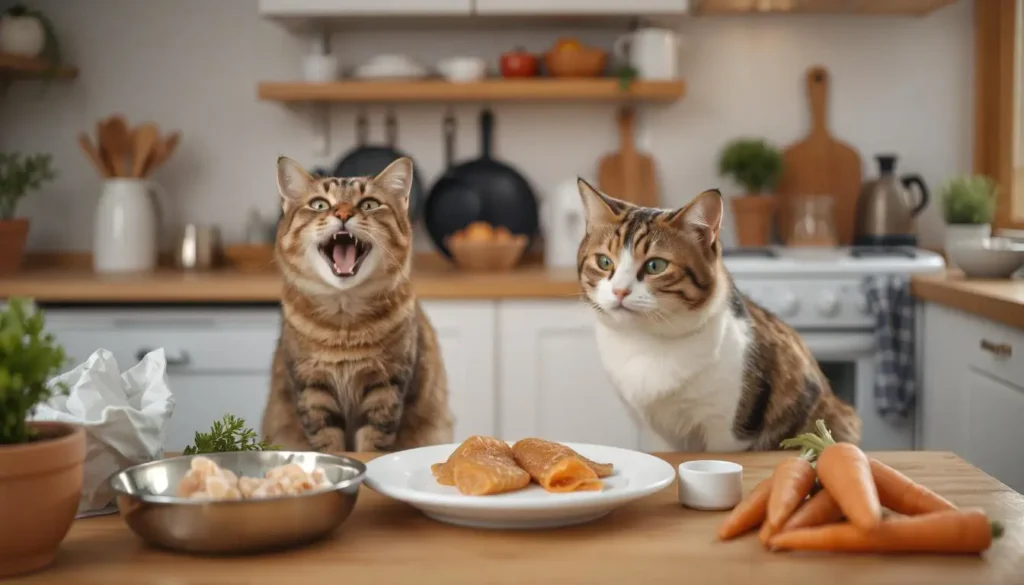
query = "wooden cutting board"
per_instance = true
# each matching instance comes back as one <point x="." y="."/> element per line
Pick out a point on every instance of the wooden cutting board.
<point x="820" y="164"/>
<point x="627" y="174"/>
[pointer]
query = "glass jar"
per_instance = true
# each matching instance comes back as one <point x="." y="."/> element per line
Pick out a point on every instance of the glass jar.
<point x="813" y="222"/>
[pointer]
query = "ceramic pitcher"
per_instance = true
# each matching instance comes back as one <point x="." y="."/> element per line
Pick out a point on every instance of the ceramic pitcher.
<point x="126" y="226"/>
<point x="653" y="52"/>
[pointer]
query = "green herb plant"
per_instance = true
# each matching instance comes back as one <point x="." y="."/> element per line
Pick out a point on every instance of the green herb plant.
<point x="969" y="200"/>
<point x="227" y="435"/>
<point x="754" y="164"/>
<point x="51" y="49"/>
<point x="19" y="176"/>
<point x="29" y="357"/>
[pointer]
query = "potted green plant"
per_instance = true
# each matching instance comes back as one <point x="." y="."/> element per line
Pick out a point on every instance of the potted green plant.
<point x="19" y="176"/>
<point x="28" y="32"/>
<point x="968" y="205"/>
<point x="755" y="165"/>
<point x="41" y="463"/>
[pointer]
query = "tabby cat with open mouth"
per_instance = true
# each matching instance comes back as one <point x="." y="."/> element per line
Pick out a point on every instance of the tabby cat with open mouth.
<point x="357" y="366"/>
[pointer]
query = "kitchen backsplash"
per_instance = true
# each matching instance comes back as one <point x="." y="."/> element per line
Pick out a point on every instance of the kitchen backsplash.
<point x="900" y="85"/>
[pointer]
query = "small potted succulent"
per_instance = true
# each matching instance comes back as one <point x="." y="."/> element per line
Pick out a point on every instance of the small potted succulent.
<point x="19" y="176"/>
<point x="27" y="32"/>
<point x="755" y="165"/>
<point x="968" y="205"/>
<point x="41" y="463"/>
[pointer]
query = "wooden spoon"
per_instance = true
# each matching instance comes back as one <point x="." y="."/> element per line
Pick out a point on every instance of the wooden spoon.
<point x="146" y="137"/>
<point x="162" y="151"/>
<point x="93" y="156"/>
<point x="116" y="141"/>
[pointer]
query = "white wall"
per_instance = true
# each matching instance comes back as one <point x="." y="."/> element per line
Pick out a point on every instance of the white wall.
<point x="900" y="85"/>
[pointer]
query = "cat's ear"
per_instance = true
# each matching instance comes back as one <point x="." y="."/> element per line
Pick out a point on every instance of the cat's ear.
<point x="293" y="181"/>
<point x="397" y="179"/>
<point x="601" y="209"/>
<point x="702" y="216"/>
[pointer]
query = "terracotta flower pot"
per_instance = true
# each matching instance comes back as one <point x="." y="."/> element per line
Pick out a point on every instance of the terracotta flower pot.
<point x="754" y="216"/>
<point x="13" y="233"/>
<point x="40" y="487"/>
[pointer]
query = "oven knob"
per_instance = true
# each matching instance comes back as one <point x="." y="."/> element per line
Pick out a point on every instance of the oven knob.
<point x="788" y="305"/>
<point x="828" y="305"/>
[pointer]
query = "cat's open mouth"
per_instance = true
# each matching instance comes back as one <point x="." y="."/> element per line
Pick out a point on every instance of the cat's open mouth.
<point x="344" y="253"/>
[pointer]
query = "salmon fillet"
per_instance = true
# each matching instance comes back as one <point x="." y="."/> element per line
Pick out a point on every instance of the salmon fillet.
<point x="558" y="468"/>
<point x="481" y="466"/>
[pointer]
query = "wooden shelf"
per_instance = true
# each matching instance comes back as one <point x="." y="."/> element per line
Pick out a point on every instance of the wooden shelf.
<point x="24" y="67"/>
<point x="878" y="7"/>
<point x="510" y="90"/>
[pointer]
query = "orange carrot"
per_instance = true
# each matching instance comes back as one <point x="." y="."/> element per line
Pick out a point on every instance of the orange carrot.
<point x="820" y="509"/>
<point x="792" y="480"/>
<point x="844" y="471"/>
<point x="901" y="494"/>
<point x="748" y="513"/>
<point x="950" y="532"/>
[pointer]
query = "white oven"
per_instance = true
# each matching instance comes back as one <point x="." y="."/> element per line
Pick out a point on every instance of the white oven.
<point x="848" y="361"/>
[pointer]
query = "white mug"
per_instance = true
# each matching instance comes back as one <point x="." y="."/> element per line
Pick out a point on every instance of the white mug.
<point x="125" y="226"/>
<point x="653" y="52"/>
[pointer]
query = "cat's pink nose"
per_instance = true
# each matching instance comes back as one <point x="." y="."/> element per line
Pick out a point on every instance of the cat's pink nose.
<point x="620" y="293"/>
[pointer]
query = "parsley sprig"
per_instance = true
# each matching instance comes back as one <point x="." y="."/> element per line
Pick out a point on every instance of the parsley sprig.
<point x="227" y="434"/>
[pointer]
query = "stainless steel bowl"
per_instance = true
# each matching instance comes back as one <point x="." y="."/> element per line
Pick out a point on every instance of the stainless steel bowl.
<point x="146" y="500"/>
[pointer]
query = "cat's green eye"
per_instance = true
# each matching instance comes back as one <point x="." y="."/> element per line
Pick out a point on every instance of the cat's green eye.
<point x="655" y="265"/>
<point x="604" y="262"/>
<point x="319" y="204"/>
<point x="369" y="204"/>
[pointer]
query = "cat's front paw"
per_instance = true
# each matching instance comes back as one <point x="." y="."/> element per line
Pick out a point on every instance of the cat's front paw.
<point x="370" y="439"/>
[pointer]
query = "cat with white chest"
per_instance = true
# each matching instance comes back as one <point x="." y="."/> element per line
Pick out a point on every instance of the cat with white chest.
<point x="705" y="367"/>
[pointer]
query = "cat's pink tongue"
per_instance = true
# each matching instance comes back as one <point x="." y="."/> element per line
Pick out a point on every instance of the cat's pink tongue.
<point x="344" y="258"/>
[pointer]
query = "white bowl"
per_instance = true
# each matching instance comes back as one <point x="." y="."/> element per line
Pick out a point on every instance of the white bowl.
<point x="988" y="258"/>
<point x="708" y="484"/>
<point x="462" y="69"/>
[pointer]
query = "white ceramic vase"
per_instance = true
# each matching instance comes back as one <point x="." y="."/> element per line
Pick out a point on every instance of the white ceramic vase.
<point x="126" y="227"/>
<point x="956" y="233"/>
<point x="22" y="35"/>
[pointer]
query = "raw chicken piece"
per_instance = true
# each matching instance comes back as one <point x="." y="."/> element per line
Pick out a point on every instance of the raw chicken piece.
<point x="555" y="467"/>
<point x="482" y="466"/>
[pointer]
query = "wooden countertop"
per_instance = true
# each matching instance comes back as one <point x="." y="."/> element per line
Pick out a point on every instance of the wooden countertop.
<point x="433" y="278"/>
<point x="999" y="300"/>
<point x="654" y="540"/>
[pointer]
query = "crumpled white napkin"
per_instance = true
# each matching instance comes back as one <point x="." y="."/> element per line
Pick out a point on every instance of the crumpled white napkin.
<point x="125" y="418"/>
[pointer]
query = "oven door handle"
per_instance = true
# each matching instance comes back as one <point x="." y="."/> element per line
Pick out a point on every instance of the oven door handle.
<point x="843" y="346"/>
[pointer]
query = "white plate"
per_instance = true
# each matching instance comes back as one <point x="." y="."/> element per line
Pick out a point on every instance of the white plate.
<point x="406" y="476"/>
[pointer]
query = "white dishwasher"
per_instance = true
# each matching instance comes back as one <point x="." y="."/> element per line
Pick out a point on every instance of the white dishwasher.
<point x="218" y="359"/>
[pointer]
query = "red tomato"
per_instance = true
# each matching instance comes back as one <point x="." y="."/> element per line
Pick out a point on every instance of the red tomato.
<point x="518" y="63"/>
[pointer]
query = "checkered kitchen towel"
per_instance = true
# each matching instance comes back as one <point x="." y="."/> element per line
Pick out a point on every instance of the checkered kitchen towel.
<point x="890" y="302"/>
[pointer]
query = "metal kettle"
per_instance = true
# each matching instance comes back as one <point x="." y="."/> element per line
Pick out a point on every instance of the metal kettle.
<point x="887" y="209"/>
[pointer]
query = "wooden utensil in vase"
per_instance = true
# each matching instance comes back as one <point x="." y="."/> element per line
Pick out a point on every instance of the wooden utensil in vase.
<point x="94" y="156"/>
<point x="117" y="143"/>
<point x="627" y="174"/>
<point x="162" y="150"/>
<point x="820" y="165"/>
<point x="146" y="137"/>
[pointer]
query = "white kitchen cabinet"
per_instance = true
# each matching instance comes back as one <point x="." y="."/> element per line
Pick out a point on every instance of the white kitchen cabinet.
<point x="466" y="333"/>
<point x="362" y="8"/>
<point x="581" y="7"/>
<point x="218" y="361"/>
<point x="972" y="395"/>
<point x="550" y="380"/>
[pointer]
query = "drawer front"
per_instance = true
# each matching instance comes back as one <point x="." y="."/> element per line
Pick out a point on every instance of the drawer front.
<point x="191" y="342"/>
<point x="998" y="350"/>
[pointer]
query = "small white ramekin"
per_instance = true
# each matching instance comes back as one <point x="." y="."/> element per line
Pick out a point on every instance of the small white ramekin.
<point x="708" y="484"/>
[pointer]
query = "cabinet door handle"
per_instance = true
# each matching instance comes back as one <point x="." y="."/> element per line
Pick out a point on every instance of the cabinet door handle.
<point x="1002" y="350"/>
<point x="183" y="358"/>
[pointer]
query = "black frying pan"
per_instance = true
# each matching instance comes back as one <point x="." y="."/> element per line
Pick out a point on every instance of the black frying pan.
<point x="366" y="161"/>
<point x="482" y="189"/>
